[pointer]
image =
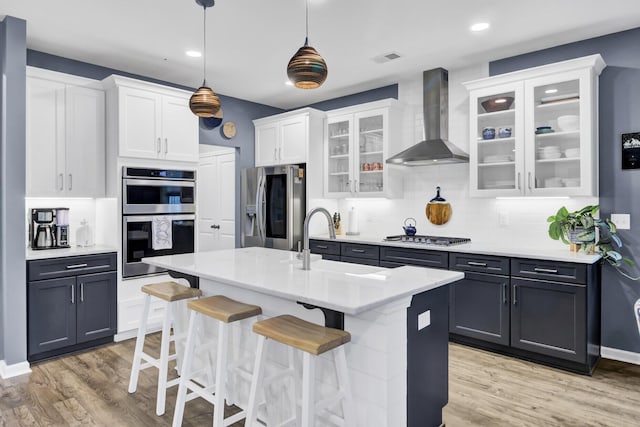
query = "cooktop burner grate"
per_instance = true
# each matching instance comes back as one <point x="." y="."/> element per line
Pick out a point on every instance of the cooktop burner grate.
<point x="428" y="240"/>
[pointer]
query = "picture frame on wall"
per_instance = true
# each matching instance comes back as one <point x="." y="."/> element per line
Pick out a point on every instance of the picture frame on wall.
<point x="631" y="150"/>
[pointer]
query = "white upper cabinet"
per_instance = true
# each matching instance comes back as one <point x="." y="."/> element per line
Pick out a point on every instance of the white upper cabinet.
<point x="285" y="138"/>
<point x="65" y="135"/>
<point x="356" y="146"/>
<point x="150" y="121"/>
<point x="535" y="132"/>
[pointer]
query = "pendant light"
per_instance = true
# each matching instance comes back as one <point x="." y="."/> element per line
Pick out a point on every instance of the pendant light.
<point x="204" y="102"/>
<point x="307" y="69"/>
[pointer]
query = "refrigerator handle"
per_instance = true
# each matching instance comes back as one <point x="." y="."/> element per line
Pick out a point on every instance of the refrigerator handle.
<point x="261" y="208"/>
<point x="258" y="208"/>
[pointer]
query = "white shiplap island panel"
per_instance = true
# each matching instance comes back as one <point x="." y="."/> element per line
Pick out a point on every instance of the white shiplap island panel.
<point x="375" y="302"/>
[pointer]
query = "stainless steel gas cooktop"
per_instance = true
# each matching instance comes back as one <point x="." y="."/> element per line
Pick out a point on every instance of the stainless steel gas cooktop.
<point x="428" y="240"/>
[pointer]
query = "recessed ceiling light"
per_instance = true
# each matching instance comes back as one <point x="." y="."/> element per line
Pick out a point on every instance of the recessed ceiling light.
<point x="194" y="53"/>
<point x="551" y="91"/>
<point x="500" y="101"/>
<point x="480" y="26"/>
<point x="288" y="83"/>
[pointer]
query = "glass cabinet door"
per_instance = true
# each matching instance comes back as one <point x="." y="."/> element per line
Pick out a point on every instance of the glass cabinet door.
<point x="497" y="138"/>
<point x="369" y="164"/>
<point x="338" y="153"/>
<point x="557" y="131"/>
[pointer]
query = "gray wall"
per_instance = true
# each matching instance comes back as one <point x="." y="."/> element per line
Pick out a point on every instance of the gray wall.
<point x="13" y="290"/>
<point x="619" y="189"/>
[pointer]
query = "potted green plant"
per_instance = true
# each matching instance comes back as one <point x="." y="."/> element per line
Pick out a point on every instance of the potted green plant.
<point x="578" y="229"/>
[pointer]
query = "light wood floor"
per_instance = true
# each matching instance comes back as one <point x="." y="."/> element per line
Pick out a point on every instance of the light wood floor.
<point x="90" y="389"/>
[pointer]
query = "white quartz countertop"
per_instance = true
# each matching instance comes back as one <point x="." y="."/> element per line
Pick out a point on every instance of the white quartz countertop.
<point x="348" y="288"/>
<point x="66" y="252"/>
<point x="518" y="250"/>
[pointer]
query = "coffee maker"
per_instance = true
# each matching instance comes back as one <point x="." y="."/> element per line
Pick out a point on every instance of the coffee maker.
<point x="49" y="228"/>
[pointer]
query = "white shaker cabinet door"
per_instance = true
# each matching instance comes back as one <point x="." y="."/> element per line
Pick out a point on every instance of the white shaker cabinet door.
<point x="266" y="145"/>
<point x="85" y="143"/>
<point x="45" y="138"/>
<point x="140" y="123"/>
<point x="179" y="130"/>
<point x="293" y="141"/>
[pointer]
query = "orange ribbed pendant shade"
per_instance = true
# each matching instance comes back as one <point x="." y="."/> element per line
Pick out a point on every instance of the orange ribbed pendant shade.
<point x="307" y="69"/>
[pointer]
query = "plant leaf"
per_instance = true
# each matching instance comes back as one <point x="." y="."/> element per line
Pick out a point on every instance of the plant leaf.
<point x="611" y="225"/>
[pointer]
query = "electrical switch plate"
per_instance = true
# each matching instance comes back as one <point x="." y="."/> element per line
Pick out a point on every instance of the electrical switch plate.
<point x="424" y="319"/>
<point x="622" y="221"/>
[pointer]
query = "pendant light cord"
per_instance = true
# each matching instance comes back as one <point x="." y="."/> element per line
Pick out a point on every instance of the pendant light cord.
<point x="204" y="47"/>
<point x="306" y="33"/>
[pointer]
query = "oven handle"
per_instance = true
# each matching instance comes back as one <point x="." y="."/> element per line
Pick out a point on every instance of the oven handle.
<point x="158" y="182"/>
<point x="147" y="218"/>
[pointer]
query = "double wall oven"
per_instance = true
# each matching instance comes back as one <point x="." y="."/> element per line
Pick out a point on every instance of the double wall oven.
<point x="156" y="203"/>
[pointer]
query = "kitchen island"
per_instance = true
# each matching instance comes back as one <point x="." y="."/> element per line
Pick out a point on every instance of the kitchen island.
<point x="398" y="320"/>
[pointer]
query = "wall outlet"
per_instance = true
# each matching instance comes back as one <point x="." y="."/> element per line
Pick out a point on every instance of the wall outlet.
<point x="622" y="221"/>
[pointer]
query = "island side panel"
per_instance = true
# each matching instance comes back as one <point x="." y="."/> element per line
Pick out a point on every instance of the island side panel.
<point x="428" y="357"/>
<point x="376" y="356"/>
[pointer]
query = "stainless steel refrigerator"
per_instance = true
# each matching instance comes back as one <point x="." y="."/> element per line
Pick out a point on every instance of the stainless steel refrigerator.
<point x="273" y="206"/>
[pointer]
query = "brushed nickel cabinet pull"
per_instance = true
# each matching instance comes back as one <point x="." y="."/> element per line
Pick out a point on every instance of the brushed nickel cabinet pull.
<point x="515" y="295"/>
<point x="322" y="246"/>
<point x="166" y="145"/>
<point x="275" y="154"/>
<point x="546" y="270"/>
<point x="70" y="182"/>
<point x="73" y="294"/>
<point x="280" y="153"/>
<point x="504" y="293"/>
<point x="529" y="180"/>
<point x="61" y="176"/>
<point x="158" y="145"/>
<point x="81" y="292"/>
<point x="72" y="266"/>
<point x="477" y="264"/>
<point x="358" y="251"/>
<point x="519" y="188"/>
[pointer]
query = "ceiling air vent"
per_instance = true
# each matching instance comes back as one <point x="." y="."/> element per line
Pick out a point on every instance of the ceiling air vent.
<point x="386" y="57"/>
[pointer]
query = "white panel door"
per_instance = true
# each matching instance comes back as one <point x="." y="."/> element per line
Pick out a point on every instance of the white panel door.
<point x="216" y="202"/>
<point x="293" y="141"/>
<point x="45" y="138"/>
<point x="85" y="142"/>
<point x="140" y="127"/>
<point x="179" y="130"/>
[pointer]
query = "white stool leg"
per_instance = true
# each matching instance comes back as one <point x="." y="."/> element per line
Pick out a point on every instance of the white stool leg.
<point x="221" y="374"/>
<point x="137" y="354"/>
<point x="256" y="382"/>
<point x="308" y="389"/>
<point x="345" y="386"/>
<point x="294" y="389"/>
<point x="164" y="359"/>
<point x="186" y="371"/>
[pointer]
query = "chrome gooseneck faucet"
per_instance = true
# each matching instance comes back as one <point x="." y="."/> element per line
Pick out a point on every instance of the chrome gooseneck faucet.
<point x="306" y="252"/>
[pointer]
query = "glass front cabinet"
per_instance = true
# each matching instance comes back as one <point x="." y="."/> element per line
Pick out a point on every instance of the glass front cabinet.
<point x="356" y="146"/>
<point x="535" y="132"/>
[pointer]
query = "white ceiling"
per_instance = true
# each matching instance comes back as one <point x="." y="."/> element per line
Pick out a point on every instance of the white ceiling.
<point x="251" y="41"/>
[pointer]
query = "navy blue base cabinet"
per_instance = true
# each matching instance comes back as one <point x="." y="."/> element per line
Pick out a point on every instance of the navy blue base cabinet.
<point x="72" y="304"/>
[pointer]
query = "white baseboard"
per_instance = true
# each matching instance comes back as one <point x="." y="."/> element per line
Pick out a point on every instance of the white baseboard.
<point x="9" y="371"/>
<point x="620" y="355"/>
<point x="133" y="333"/>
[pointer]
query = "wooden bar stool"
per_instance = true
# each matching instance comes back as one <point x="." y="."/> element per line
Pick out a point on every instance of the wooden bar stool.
<point x="171" y="292"/>
<point x="312" y="340"/>
<point x="225" y="311"/>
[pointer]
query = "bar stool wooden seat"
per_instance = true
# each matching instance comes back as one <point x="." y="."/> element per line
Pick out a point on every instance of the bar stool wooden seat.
<point x="312" y="340"/>
<point x="225" y="311"/>
<point x="171" y="292"/>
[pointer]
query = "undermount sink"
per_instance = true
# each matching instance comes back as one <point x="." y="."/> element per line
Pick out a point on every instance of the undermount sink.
<point x="356" y="270"/>
<point x="298" y="259"/>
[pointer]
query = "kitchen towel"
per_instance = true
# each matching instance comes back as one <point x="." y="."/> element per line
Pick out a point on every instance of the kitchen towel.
<point x="161" y="237"/>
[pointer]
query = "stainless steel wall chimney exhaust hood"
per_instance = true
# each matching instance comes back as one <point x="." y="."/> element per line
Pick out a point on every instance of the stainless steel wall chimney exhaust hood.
<point x="435" y="149"/>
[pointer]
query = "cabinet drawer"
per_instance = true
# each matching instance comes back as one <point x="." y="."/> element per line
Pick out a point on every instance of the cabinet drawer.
<point x="70" y="266"/>
<point x="356" y="250"/>
<point x="419" y="257"/>
<point x="324" y="247"/>
<point x="554" y="270"/>
<point x="479" y="263"/>
<point x="363" y="261"/>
